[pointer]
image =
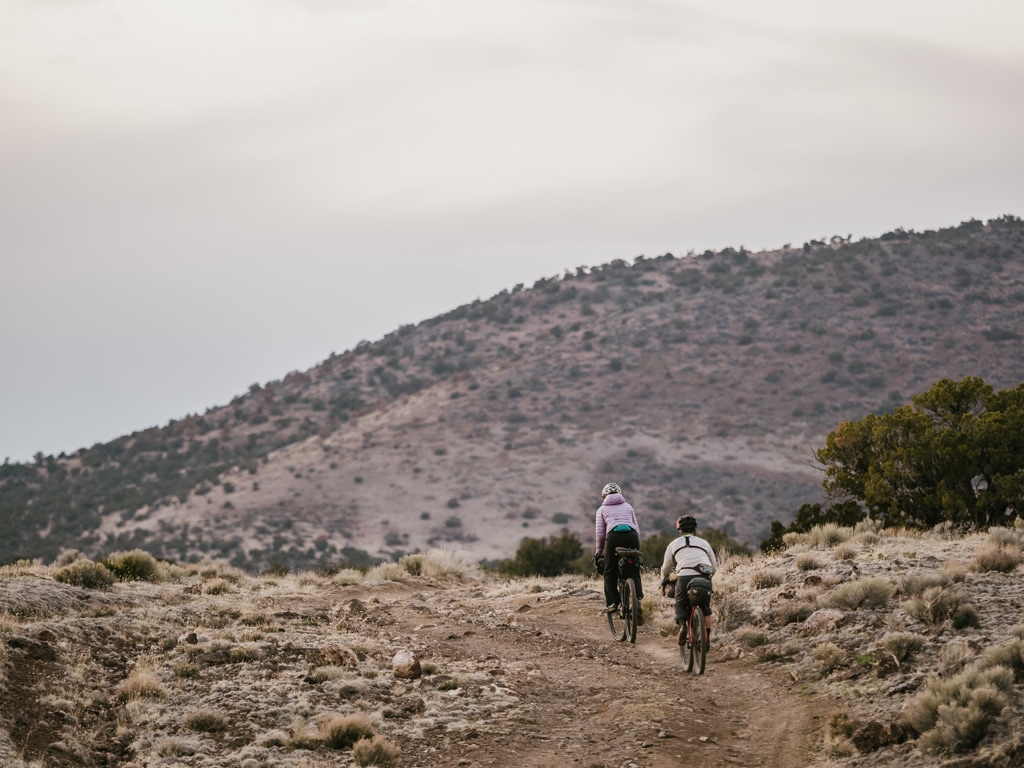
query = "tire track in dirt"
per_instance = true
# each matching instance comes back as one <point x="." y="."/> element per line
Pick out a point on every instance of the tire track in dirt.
<point x="586" y="700"/>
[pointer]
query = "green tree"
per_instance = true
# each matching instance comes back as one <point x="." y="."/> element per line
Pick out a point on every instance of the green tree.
<point x="956" y="454"/>
<point x="549" y="556"/>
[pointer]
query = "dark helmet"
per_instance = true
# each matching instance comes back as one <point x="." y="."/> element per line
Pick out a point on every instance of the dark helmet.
<point x="687" y="524"/>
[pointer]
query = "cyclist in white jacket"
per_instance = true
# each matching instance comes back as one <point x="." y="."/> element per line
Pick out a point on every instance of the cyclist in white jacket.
<point x="688" y="556"/>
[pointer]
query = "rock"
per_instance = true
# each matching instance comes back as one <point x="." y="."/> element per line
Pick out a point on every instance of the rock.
<point x="871" y="736"/>
<point x="825" y="620"/>
<point x="189" y="638"/>
<point x="406" y="666"/>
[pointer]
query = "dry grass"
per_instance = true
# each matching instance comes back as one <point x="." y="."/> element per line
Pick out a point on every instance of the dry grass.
<point x="85" y="573"/>
<point x="376" y="750"/>
<point x="140" y="684"/>
<point x="808" y="562"/>
<point x="831" y="656"/>
<point x="767" y="578"/>
<point x="953" y="715"/>
<point x="206" y="721"/>
<point x="870" y="592"/>
<point x="343" y="731"/>
<point x="993" y="556"/>
<point x="902" y="646"/>
<point x="936" y="604"/>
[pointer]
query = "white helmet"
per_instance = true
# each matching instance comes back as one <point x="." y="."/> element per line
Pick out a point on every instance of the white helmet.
<point x="611" y="488"/>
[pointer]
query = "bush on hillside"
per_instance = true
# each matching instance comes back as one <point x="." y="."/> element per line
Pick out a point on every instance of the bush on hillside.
<point x="136" y="565"/>
<point x="85" y="573"/>
<point x="549" y="556"/>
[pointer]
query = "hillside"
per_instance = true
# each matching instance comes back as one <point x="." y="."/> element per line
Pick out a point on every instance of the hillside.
<point x="873" y="647"/>
<point x="701" y="383"/>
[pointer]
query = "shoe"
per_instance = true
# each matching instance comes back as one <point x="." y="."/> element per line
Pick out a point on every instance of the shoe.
<point x="681" y="636"/>
<point x="640" y="619"/>
<point x="612" y="608"/>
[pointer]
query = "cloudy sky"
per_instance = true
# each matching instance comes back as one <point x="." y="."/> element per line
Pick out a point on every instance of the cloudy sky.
<point x="203" y="194"/>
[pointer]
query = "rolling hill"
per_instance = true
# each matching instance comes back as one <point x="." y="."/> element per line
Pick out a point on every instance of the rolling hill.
<point x="701" y="383"/>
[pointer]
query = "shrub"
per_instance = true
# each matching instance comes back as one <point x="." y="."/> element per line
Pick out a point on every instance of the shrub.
<point x="139" y="685"/>
<point x="324" y="674"/>
<point x="845" y="551"/>
<point x="185" y="670"/>
<point x="206" y="721"/>
<point x="902" y="646"/>
<point x="751" y="638"/>
<point x="85" y="573"/>
<point x="767" y="578"/>
<point x="1002" y="558"/>
<point x="731" y="610"/>
<point x="808" y="562"/>
<point x="176" y="747"/>
<point x="136" y="565"/>
<point x="217" y="587"/>
<point x="447" y="564"/>
<point x="937" y="604"/>
<point x="953" y="715"/>
<point x="871" y="592"/>
<point x="550" y="556"/>
<point x="914" y="585"/>
<point x="342" y="731"/>
<point x="827" y="535"/>
<point x="831" y="656"/>
<point x="376" y="751"/>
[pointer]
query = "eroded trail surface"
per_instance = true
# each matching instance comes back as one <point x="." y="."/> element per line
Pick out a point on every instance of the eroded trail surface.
<point x="560" y="691"/>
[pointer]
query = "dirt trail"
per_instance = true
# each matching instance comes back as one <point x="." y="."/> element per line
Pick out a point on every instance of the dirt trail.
<point x="582" y="699"/>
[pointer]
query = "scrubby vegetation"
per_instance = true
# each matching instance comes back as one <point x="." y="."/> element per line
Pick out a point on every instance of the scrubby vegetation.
<point x="764" y="346"/>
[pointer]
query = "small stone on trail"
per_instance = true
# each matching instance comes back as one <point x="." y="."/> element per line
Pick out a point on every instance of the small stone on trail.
<point x="406" y="666"/>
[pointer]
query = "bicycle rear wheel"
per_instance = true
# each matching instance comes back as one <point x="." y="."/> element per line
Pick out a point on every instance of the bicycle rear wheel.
<point x="630" y="608"/>
<point x="617" y="619"/>
<point x="698" y="641"/>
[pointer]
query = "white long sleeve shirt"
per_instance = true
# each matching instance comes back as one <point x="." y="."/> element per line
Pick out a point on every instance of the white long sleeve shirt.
<point x="684" y="554"/>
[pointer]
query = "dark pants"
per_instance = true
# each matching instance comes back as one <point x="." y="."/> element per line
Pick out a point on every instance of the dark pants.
<point x="683" y="599"/>
<point x="631" y="540"/>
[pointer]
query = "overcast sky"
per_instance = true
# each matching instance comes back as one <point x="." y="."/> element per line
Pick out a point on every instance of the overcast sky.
<point x="199" y="195"/>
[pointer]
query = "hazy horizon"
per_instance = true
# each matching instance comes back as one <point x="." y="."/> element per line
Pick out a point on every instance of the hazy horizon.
<point x="206" y="195"/>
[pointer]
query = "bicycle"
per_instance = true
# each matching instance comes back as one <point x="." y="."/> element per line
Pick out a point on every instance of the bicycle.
<point x="623" y="621"/>
<point x="694" y="650"/>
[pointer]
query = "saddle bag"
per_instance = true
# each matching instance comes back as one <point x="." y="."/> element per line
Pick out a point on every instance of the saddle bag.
<point x="699" y="591"/>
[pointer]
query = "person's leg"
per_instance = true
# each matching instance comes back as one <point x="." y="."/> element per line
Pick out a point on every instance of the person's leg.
<point x="611" y="574"/>
<point x="682" y="599"/>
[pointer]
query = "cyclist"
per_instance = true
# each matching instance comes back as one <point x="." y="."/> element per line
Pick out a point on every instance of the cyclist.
<point x="685" y="555"/>
<point x="615" y="525"/>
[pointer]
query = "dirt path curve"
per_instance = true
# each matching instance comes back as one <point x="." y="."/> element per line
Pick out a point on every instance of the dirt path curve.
<point x="581" y="699"/>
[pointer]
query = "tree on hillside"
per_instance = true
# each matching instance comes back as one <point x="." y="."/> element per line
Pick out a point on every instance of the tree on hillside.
<point x="956" y="454"/>
<point x="550" y="556"/>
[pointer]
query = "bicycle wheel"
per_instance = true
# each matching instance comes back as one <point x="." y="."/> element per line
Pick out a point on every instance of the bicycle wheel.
<point x="617" y="619"/>
<point x="630" y="608"/>
<point x="698" y="640"/>
<point x="686" y="647"/>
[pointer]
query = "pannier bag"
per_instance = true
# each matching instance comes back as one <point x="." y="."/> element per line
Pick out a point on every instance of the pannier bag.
<point x="699" y="591"/>
<point x="629" y="565"/>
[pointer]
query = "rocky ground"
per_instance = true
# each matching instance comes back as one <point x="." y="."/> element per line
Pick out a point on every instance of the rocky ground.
<point x="824" y="655"/>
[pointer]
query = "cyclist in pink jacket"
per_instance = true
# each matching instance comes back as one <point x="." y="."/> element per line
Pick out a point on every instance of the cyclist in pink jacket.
<point x="615" y="525"/>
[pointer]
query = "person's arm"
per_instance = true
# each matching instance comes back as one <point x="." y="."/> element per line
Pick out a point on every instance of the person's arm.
<point x="711" y="554"/>
<point x="669" y="563"/>
<point x="600" y="531"/>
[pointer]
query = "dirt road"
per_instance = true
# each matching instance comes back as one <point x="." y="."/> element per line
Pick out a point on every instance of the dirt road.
<point x="575" y="697"/>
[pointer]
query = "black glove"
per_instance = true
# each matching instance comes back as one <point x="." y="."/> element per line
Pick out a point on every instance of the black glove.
<point x="599" y="562"/>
